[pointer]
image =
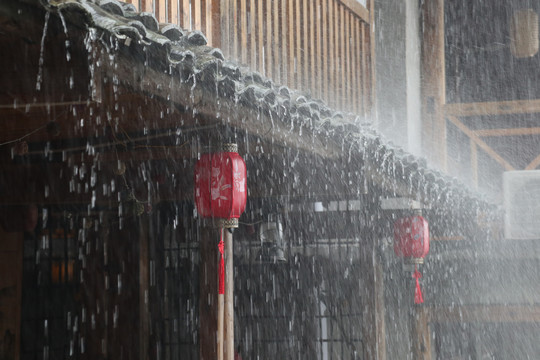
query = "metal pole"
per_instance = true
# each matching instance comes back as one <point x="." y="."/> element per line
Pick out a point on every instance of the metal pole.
<point x="229" y="296"/>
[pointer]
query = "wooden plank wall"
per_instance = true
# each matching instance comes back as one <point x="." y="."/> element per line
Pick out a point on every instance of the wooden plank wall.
<point x="322" y="47"/>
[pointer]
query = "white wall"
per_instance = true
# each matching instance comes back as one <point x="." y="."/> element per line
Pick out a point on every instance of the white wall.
<point x="397" y="51"/>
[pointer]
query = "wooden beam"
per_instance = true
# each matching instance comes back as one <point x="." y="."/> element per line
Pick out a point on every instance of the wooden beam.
<point x="534" y="164"/>
<point x="493" y="108"/>
<point x="484" y="313"/>
<point x="508" y="132"/>
<point x="358" y="9"/>
<point x="481" y="143"/>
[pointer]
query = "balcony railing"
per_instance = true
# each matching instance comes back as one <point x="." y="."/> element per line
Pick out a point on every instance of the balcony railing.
<point x="323" y="47"/>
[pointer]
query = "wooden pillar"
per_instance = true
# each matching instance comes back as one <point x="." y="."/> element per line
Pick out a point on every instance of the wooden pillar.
<point x="208" y="286"/>
<point x="371" y="102"/>
<point x="433" y="82"/>
<point x="11" y="257"/>
<point x="144" y="282"/>
<point x="215" y="23"/>
<point x="421" y="334"/>
<point x="373" y="325"/>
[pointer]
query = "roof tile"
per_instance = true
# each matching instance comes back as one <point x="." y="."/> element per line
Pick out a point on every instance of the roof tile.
<point x="188" y="54"/>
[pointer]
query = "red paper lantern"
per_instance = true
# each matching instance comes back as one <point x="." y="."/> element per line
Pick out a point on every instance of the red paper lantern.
<point x="411" y="238"/>
<point x="220" y="186"/>
<point x="411" y="241"/>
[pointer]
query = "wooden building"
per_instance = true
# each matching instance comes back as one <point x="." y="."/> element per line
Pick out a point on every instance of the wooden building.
<point x="106" y="108"/>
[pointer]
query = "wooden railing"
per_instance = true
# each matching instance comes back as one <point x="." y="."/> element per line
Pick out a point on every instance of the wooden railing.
<point x="322" y="47"/>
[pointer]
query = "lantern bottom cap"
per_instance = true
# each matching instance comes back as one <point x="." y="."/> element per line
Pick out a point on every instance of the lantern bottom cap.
<point x="227" y="223"/>
<point x="414" y="260"/>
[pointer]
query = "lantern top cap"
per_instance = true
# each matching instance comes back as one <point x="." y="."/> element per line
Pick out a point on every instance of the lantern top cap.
<point x="229" y="147"/>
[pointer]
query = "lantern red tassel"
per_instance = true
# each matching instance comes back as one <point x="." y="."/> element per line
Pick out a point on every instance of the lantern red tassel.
<point x="221" y="247"/>
<point x="418" y="299"/>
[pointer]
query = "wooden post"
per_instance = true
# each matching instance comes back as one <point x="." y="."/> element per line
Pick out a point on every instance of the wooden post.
<point x="144" y="320"/>
<point x="215" y="23"/>
<point x="421" y="334"/>
<point x="433" y="82"/>
<point x="11" y="261"/>
<point x="229" y="296"/>
<point x="373" y="325"/>
<point x="208" y="286"/>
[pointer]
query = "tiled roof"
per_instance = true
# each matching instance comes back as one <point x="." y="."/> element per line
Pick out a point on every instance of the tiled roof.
<point x="206" y="67"/>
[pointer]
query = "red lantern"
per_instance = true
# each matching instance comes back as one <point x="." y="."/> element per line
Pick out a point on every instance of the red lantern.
<point x="411" y="238"/>
<point x="411" y="241"/>
<point x="221" y="192"/>
<point x="220" y="185"/>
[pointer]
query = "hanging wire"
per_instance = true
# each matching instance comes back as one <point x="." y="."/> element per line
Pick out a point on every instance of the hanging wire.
<point x="25" y="136"/>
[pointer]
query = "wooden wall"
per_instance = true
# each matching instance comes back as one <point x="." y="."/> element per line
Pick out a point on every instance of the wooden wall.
<point x="322" y="47"/>
<point x="10" y="294"/>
